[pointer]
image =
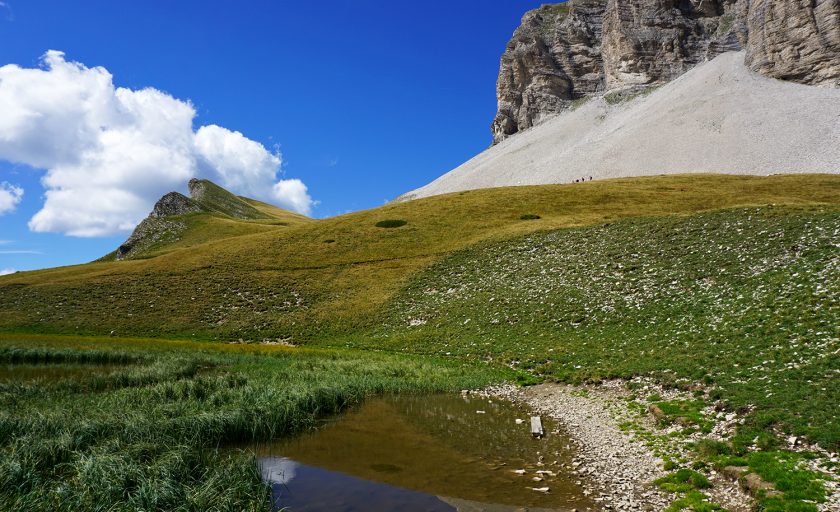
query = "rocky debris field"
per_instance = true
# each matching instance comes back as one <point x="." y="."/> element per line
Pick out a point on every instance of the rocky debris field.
<point x="719" y="117"/>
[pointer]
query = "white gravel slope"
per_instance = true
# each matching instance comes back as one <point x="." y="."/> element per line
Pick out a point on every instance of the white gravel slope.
<point x="718" y="117"/>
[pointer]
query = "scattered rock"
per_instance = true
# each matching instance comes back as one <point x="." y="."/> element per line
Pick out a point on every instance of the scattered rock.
<point x="734" y="472"/>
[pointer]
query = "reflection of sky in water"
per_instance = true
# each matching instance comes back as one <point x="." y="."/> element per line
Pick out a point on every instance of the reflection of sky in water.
<point x="278" y="470"/>
<point x="297" y="487"/>
<point x="423" y="453"/>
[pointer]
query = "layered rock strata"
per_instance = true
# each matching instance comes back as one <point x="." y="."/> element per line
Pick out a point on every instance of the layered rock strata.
<point x="565" y="52"/>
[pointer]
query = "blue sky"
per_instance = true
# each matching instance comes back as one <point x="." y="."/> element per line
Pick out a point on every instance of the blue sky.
<point x="364" y="100"/>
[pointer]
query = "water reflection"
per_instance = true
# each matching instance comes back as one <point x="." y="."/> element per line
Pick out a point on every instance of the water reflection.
<point x="442" y="452"/>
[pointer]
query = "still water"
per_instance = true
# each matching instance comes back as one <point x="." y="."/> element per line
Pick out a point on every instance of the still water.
<point x="424" y="453"/>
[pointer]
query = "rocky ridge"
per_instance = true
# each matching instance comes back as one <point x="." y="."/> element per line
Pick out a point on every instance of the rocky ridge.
<point x="562" y="53"/>
<point x="165" y="224"/>
<point x="175" y="203"/>
<point x="159" y="226"/>
<point x="219" y="200"/>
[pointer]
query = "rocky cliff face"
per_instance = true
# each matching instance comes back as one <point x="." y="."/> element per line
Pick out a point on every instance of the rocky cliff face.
<point x="654" y="41"/>
<point x="563" y="52"/>
<point x="175" y="203"/>
<point x="159" y="226"/>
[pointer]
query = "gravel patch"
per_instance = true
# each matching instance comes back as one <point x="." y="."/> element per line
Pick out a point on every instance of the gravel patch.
<point x="617" y="469"/>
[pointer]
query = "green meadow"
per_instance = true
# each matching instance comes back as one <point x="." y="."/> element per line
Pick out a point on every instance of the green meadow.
<point x="246" y="329"/>
<point x="156" y="429"/>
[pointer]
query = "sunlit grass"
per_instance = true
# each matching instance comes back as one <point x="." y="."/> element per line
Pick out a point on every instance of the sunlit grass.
<point x="284" y="282"/>
<point x="158" y="433"/>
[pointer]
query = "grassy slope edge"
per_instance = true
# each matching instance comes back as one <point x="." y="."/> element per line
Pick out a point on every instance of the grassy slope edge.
<point x="316" y="279"/>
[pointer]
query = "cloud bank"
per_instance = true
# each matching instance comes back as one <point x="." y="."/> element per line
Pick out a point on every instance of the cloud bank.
<point x="110" y="152"/>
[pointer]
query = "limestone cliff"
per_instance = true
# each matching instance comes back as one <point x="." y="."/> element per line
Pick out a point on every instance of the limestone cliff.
<point x="796" y="40"/>
<point x="563" y="52"/>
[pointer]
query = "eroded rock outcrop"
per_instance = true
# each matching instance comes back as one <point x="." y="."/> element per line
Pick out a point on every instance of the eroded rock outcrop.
<point x="796" y="40"/>
<point x="150" y="232"/>
<point x="159" y="226"/>
<point x="167" y="220"/>
<point x="563" y="52"/>
<point x="174" y="203"/>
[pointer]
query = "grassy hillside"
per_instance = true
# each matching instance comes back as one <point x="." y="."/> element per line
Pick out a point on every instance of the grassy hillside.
<point x="727" y="286"/>
<point x="744" y="301"/>
<point x="311" y="280"/>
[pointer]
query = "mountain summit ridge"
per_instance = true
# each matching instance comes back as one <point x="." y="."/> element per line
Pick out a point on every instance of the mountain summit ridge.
<point x="169" y="217"/>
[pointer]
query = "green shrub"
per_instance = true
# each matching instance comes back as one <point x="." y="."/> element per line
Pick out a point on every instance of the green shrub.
<point x="579" y="102"/>
<point x="727" y="21"/>
<point x="613" y="98"/>
<point x="391" y="223"/>
<point x="684" y="480"/>
<point x="711" y="448"/>
<point x="527" y="379"/>
<point x="529" y="216"/>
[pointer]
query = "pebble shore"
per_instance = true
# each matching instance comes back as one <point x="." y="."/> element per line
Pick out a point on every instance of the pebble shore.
<point x="617" y="470"/>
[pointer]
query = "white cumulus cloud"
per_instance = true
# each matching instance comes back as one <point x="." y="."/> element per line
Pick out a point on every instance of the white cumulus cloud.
<point x="7" y="271"/>
<point x="10" y="196"/>
<point x="241" y="164"/>
<point x="292" y="195"/>
<point x="110" y="152"/>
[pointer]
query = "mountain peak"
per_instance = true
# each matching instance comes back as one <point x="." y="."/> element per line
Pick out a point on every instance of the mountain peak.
<point x="170" y="217"/>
